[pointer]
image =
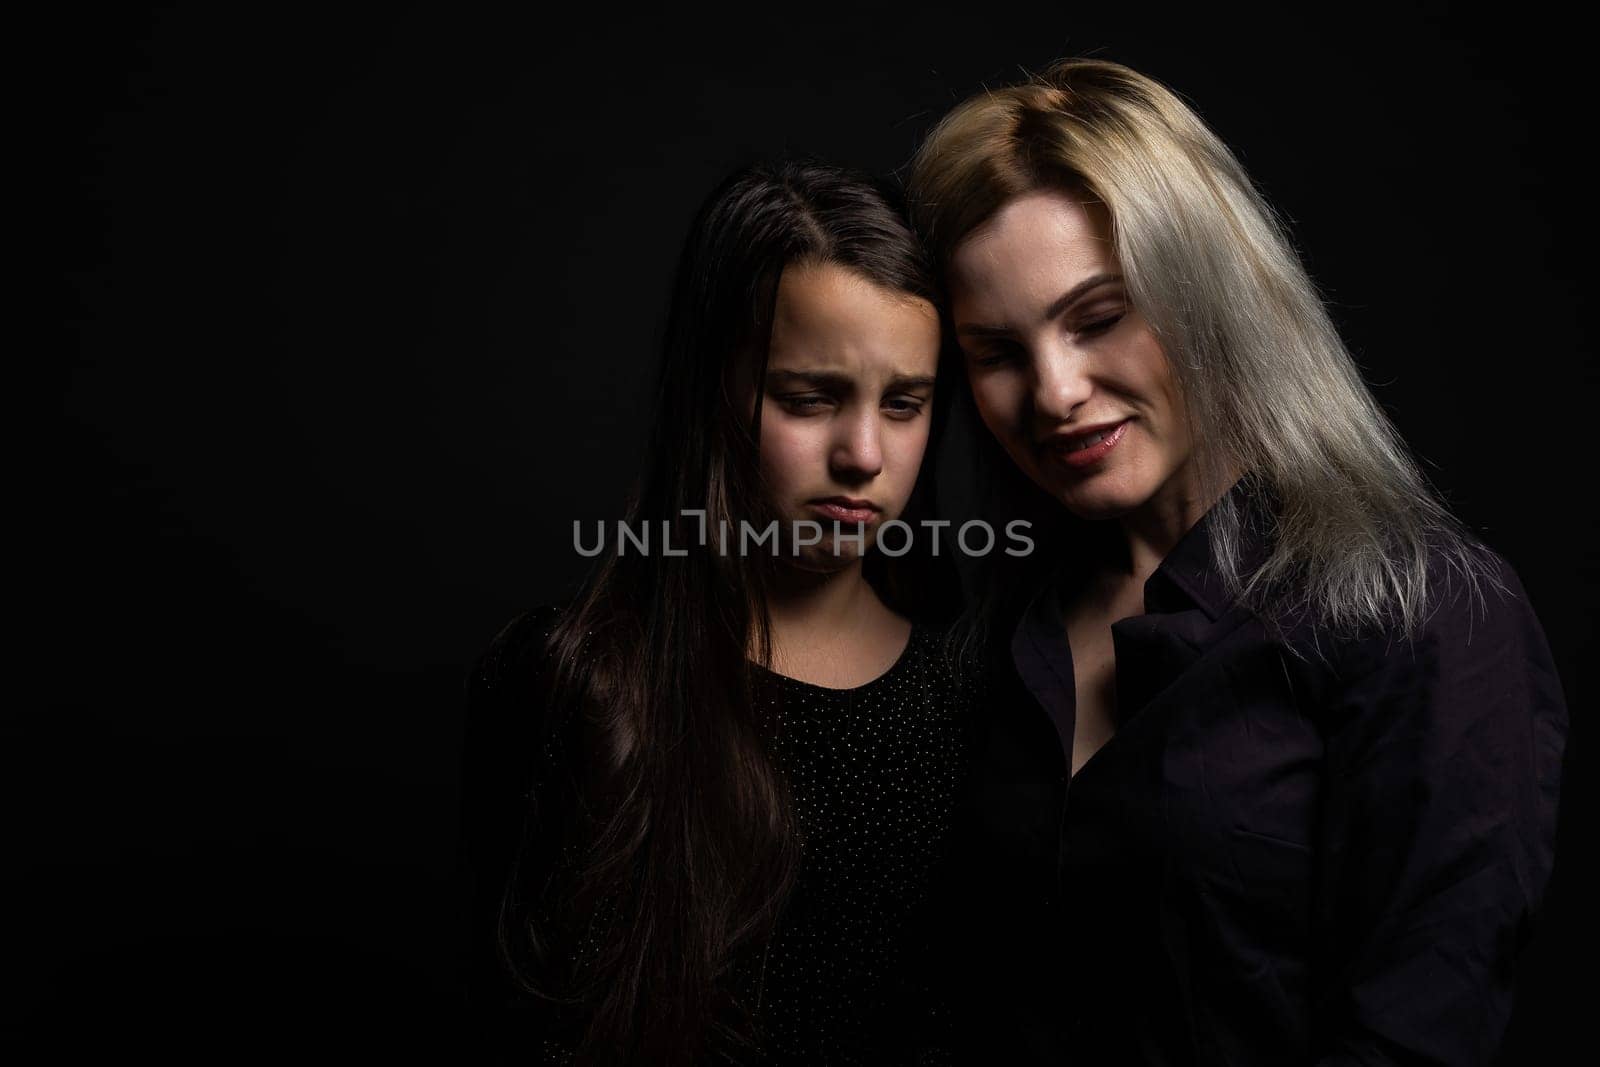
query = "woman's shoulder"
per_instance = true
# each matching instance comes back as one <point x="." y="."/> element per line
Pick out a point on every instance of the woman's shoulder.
<point x="1475" y="601"/>
<point x="1476" y="640"/>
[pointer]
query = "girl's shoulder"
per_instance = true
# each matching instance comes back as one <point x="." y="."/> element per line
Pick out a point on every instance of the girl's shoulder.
<point x="518" y="652"/>
<point x="951" y="658"/>
<point x="507" y="691"/>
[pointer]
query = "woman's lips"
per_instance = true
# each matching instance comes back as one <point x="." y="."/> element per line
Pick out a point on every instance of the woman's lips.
<point x="1073" y="453"/>
<point x="840" y="512"/>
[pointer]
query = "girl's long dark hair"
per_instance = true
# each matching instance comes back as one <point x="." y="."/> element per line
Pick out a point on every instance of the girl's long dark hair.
<point x="661" y="842"/>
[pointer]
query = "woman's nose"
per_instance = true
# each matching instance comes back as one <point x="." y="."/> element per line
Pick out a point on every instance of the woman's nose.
<point x="1061" y="383"/>
<point x="858" y="449"/>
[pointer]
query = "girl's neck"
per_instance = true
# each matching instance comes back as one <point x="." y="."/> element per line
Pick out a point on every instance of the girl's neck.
<point x="805" y="601"/>
<point x="832" y="629"/>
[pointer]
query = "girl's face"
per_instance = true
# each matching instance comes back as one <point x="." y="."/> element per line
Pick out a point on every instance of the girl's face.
<point x="1066" y="375"/>
<point x="848" y="396"/>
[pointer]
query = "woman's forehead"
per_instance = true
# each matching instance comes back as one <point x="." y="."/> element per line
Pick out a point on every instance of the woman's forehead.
<point x="1034" y="251"/>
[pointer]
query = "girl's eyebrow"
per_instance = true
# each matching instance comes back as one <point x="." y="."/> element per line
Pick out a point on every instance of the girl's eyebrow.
<point x="821" y="379"/>
<point x="816" y="378"/>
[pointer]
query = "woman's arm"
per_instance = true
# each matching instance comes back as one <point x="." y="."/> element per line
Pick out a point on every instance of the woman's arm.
<point x="1437" y="834"/>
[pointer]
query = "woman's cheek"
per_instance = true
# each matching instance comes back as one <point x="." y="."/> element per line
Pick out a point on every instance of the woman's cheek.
<point x="1000" y="403"/>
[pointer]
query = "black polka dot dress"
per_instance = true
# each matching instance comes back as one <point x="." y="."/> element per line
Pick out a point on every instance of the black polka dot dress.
<point x="847" y="975"/>
<point x="875" y="772"/>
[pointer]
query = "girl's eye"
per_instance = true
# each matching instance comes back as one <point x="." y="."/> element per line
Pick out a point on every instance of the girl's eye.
<point x="905" y="407"/>
<point x="804" y="402"/>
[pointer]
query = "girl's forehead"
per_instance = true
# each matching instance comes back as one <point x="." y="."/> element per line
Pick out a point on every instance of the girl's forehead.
<point x="833" y="318"/>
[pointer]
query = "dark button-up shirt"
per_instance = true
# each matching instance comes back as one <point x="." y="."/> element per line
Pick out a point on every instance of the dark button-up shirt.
<point x="1331" y="857"/>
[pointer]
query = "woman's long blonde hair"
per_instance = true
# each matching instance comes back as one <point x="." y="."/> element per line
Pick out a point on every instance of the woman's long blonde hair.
<point x="1262" y="369"/>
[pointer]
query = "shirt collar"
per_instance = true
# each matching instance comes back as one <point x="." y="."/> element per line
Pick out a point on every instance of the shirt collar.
<point x="1184" y="599"/>
<point x="1189" y="576"/>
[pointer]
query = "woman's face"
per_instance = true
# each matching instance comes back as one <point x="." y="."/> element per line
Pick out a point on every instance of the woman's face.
<point x="848" y="396"/>
<point x="1066" y="375"/>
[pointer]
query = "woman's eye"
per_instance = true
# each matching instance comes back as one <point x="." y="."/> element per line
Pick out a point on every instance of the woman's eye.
<point x="994" y="357"/>
<point x="1099" y="325"/>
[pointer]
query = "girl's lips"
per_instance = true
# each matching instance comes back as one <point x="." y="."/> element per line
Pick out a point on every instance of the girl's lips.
<point x="1089" y="455"/>
<point x="841" y="513"/>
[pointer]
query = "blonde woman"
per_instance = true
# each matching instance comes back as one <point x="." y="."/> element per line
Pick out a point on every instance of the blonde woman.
<point x="1271" y="769"/>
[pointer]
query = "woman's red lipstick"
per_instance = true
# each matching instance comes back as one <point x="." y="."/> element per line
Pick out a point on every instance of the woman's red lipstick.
<point x="1085" y="448"/>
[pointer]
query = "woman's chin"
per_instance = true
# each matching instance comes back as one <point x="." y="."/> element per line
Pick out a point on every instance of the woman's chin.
<point x="1093" y="503"/>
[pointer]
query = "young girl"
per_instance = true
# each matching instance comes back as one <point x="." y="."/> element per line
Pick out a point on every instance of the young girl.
<point x="1270" y="772"/>
<point x="731" y="762"/>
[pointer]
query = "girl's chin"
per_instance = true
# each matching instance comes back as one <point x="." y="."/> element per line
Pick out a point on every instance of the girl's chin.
<point x="824" y="561"/>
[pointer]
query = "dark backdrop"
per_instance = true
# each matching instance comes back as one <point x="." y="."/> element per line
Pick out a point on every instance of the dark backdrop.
<point x="362" y="304"/>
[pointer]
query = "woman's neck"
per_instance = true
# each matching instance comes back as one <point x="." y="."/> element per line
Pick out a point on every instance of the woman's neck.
<point x="1150" y="533"/>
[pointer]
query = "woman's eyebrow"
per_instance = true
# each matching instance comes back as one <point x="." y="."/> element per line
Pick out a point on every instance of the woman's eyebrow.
<point x="911" y="381"/>
<point x="1057" y="306"/>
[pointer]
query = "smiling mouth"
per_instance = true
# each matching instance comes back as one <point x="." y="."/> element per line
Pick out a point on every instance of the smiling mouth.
<point x="1085" y="439"/>
<point x="1074" y="444"/>
<point x="1089" y="448"/>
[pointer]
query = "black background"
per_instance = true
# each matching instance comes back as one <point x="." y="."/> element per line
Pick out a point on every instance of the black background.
<point x="362" y="304"/>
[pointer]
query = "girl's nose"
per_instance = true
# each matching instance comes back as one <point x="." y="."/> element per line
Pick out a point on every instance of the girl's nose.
<point x="858" y="450"/>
